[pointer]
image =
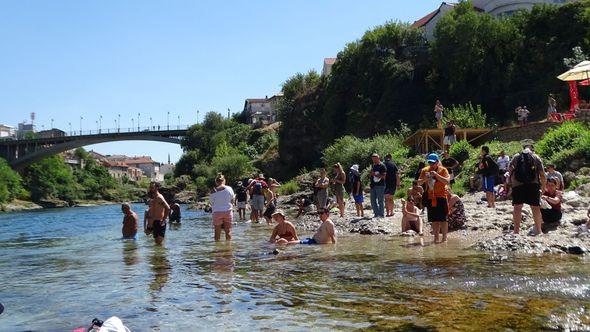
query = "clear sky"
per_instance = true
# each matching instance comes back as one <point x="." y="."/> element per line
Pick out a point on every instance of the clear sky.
<point x="67" y="59"/>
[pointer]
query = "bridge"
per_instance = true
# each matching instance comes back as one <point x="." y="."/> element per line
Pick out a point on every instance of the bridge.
<point x="22" y="152"/>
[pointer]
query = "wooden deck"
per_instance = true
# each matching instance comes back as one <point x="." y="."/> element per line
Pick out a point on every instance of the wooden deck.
<point x="429" y="140"/>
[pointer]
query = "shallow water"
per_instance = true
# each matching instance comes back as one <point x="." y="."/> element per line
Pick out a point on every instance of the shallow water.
<point x="61" y="268"/>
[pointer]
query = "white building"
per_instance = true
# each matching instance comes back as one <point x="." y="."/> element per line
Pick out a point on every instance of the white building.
<point x="167" y="169"/>
<point x="262" y="111"/>
<point x="493" y="7"/>
<point x="6" y="131"/>
<point x="327" y="68"/>
<point x="507" y="7"/>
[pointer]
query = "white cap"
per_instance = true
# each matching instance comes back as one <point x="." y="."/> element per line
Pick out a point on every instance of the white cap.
<point x="355" y="167"/>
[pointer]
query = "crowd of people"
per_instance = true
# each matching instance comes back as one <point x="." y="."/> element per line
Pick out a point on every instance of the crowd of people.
<point x="521" y="178"/>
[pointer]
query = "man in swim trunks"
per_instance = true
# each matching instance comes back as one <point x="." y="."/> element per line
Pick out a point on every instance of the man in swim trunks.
<point x="148" y="222"/>
<point x="159" y="211"/>
<point x="130" y="221"/>
<point x="284" y="232"/>
<point x="326" y="233"/>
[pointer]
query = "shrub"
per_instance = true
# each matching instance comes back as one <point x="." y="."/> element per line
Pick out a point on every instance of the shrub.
<point x="234" y="167"/>
<point x="10" y="183"/>
<point x="466" y="116"/>
<point x="560" y="139"/>
<point x="350" y="150"/>
<point x="289" y="188"/>
<point x="460" y="150"/>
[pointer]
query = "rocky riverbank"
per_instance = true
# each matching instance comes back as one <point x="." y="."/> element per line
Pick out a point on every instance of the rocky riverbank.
<point x="486" y="229"/>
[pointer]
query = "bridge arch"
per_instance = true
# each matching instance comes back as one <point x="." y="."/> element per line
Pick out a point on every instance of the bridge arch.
<point x="26" y="152"/>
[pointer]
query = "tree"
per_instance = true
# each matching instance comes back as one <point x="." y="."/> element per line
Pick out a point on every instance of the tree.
<point x="51" y="178"/>
<point x="10" y="183"/>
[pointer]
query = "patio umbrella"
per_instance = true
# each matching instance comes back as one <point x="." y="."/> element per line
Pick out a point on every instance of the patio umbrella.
<point x="580" y="72"/>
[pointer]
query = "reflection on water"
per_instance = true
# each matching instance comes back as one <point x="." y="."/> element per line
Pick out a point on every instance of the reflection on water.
<point x="61" y="268"/>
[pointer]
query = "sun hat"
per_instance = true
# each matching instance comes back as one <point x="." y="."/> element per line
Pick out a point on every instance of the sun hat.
<point x="354" y="167"/>
<point x="432" y="158"/>
<point x="278" y="212"/>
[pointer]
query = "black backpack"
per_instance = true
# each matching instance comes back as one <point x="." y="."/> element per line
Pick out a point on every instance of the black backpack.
<point x="525" y="170"/>
<point x="493" y="168"/>
<point x="349" y="184"/>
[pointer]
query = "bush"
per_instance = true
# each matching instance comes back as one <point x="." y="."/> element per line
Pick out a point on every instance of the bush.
<point x="10" y="183"/>
<point x="234" y="167"/>
<point x="350" y="150"/>
<point x="466" y="116"/>
<point x="460" y="150"/>
<point x="560" y="139"/>
<point x="289" y="188"/>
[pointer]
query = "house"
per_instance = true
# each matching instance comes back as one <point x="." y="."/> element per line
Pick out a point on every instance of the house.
<point x="493" y="7"/>
<point x="7" y="131"/>
<point x="97" y="156"/>
<point x="54" y="132"/>
<point x="507" y="7"/>
<point x="327" y="68"/>
<point x="262" y="111"/>
<point x="71" y="159"/>
<point x="120" y="171"/>
<point x="25" y="130"/>
<point x="148" y="166"/>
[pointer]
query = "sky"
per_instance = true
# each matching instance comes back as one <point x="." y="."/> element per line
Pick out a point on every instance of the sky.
<point x="69" y="59"/>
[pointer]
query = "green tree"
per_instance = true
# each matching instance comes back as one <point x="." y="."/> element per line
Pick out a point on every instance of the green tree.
<point x="51" y="178"/>
<point x="10" y="183"/>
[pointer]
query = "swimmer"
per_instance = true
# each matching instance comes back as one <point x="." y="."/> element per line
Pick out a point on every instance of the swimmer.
<point x="175" y="215"/>
<point x="130" y="221"/>
<point x="326" y="233"/>
<point x="284" y="232"/>
<point x="159" y="211"/>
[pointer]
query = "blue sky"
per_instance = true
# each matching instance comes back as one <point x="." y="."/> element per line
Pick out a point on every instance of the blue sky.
<point x="66" y="59"/>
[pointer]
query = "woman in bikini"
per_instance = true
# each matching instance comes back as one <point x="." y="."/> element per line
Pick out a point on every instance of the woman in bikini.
<point x="284" y="232"/>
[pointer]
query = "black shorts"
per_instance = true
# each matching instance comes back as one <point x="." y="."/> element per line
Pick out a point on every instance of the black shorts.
<point x="389" y="190"/>
<point x="159" y="230"/>
<point x="175" y="219"/>
<point x="528" y="193"/>
<point x="438" y="212"/>
<point x="269" y="210"/>
<point x="551" y="216"/>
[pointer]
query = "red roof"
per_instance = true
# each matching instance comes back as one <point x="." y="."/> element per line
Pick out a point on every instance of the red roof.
<point x="424" y="20"/>
<point x="329" y="61"/>
<point x="139" y="160"/>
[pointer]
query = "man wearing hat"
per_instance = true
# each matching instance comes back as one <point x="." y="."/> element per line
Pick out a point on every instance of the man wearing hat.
<point x="378" y="173"/>
<point x="436" y="179"/>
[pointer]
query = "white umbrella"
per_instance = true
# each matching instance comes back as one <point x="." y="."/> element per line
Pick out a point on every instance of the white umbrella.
<point x="580" y="72"/>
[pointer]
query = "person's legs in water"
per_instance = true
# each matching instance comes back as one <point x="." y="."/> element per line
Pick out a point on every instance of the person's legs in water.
<point x="517" y="217"/>
<point x="436" y="231"/>
<point x="217" y="233"/>
<point x="227" y="229"/>
<point x="444" y="226"/>
<point x="388" y="205"/>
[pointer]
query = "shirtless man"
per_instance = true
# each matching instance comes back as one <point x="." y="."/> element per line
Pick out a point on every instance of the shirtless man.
<point x="284" y="232"/>
<point x="130" y="221"/>
<point x="148" y="222"/>
<point x="158" y="212"/>
<point x="326" y="233"/>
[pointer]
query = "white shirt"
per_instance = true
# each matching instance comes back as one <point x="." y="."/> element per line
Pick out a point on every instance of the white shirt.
<point x="221" y="201"/>
<point x="503" y="162"/>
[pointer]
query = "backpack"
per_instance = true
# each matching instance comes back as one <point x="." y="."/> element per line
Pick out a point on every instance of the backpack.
<point x="525" y="170"/>
<point x="349" y="184"/>
<point x="257" y="188"/>
<point x="493" y="168"/>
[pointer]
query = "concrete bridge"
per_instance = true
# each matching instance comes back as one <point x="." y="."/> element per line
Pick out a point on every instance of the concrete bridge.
<point x="22" y="152"/>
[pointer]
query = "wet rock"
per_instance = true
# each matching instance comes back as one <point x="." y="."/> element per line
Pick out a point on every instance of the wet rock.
<point x="576" y="250"/>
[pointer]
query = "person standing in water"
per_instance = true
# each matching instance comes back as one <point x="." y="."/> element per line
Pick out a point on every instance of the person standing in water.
<point x="222" y="207"/>
<point x="436" y="178"/>
<point x="158" y="212"/>
<point x="130" y="221"/>
<point x="175" y="213"/>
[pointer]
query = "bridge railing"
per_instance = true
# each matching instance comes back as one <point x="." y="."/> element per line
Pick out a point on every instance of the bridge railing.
<point x="103" y="131"/>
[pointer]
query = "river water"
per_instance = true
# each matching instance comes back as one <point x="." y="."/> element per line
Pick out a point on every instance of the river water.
<point x="61" y="268"/>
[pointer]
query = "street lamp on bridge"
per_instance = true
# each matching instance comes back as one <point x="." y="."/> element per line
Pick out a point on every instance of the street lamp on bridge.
<point x="168" y="120"/>
<point x="132" y="123"/>
<point x="81" y="118"/>
<point x="197" y="116"/>
<point x="70" y="125"/>
<point x="151" y="123"/>
<point x="138" y="122"/>
<point x="179" y="122"/>
<point x="99" y="123"/>
<point x="119" y="124"/>
<point x="51" y="124"/>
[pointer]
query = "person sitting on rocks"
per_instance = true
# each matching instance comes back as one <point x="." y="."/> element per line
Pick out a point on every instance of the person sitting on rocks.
<point x="505" y="189"/>
<point x="456" y="217"/>
<point x="284" y="232"/>
<point x="410" y="217"/>
<point x="551" y="215"/>
<point x="304" y="205"/>
<point x="415" y="193"/>
<point x="552" y="173"/>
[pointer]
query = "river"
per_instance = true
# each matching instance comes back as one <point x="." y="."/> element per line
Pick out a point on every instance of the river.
<point x="61" y="268"/>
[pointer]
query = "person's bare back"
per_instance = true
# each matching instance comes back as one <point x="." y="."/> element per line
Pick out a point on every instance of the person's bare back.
<point x="326" y="233"/>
